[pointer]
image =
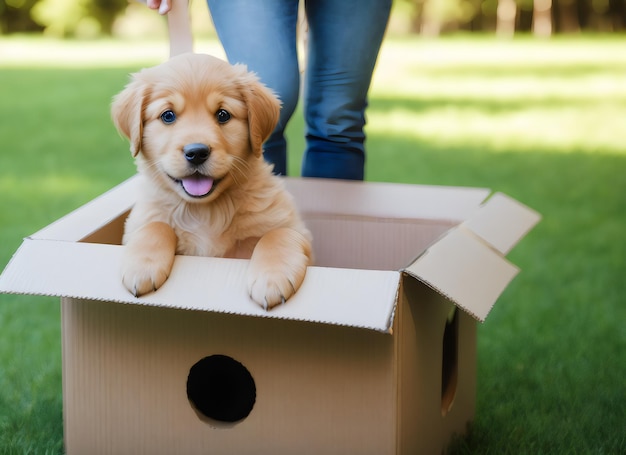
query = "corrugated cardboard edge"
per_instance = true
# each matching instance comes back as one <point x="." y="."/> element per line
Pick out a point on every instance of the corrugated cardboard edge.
<point x="467" y="265"/>
<point x="449" y="266"/>
<point x="327" y="295"/>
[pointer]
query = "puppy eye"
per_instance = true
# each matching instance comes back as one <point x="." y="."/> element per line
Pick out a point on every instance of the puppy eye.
<point x="222" y="116"/>
<point x="168" y="117"/>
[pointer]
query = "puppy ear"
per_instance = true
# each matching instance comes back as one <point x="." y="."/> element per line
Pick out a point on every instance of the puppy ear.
<point x="263" y="110"/>
<point x="127" y="112"/>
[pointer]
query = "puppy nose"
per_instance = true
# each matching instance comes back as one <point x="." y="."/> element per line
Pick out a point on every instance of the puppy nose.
<point x="196" y="153"/>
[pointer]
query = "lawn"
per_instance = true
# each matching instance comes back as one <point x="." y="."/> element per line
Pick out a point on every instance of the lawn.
<point x="543" y="121"/>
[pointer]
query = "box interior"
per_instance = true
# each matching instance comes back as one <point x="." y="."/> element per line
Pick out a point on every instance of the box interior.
<point x="355" y="242"/>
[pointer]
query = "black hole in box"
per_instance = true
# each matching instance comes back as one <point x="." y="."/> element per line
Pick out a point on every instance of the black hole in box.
<point x="221" y="390"/>
<point x="450" y="361"/>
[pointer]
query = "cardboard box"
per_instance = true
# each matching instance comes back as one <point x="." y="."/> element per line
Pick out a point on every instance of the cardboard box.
<point x="375" y="354"/>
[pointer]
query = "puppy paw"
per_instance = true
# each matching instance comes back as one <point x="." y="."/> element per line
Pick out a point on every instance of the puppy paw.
<point x="277" y="269"/>
<point x="269" y="289"/>
<point x="143" y="276"/>
<point x="148" y="258"/>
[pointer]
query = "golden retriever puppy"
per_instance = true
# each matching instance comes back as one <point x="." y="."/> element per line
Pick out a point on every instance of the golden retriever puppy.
<point x="196" y="126"/>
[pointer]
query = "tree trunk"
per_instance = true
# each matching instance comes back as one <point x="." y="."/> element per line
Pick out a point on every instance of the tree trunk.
<point x="568" y="16"/>
<point x="542" y="18"/>
<point x="506" y="12"/>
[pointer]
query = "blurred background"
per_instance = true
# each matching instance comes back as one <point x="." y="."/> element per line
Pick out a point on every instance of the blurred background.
<point x="93" y="18"/>
<point x="519" y="96"/>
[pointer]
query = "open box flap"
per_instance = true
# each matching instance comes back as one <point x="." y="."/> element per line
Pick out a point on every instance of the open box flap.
<point x="467" y="265"/>
<point x="348" y="297"/>
<point x="465" y="270"/>
<point x="502" y="221"/>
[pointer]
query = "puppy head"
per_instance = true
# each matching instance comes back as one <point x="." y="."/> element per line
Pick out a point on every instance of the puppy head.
<point x="196" y="124"/>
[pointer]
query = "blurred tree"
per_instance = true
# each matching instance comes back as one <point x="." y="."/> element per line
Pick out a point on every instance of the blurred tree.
<point x="506" y="14"/>
<point x="106" y="11"/>
<point x="488" y="14"/>
<point x="15" y="16"/>
<point x="605" y="15"/>
<point x="429" y="17"/>
<point x="77" y="17"/>
<point x="566" y="15"/>
<point x="60" y="17"/>
<point x="618" y="14"/>
<point x="542" y="18"/>
<point x="432" y="17"/>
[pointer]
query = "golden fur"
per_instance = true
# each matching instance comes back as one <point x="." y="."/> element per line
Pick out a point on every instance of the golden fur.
<point x="245" y="213"/>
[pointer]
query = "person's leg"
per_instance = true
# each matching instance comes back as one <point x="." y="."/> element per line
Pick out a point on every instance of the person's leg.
<point x="262" y="35"/>
<point x="344" y="40"/>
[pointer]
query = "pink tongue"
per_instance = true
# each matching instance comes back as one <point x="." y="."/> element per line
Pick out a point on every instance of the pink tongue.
<point x="197" y="185"/>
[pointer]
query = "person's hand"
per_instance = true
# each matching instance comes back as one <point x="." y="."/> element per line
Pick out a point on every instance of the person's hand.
<point x="164" y="6"/>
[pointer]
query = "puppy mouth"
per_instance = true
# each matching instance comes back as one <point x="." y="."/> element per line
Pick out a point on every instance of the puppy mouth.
<point x="197" y="185"/>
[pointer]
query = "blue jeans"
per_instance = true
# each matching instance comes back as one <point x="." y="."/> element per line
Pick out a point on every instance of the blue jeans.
<point x="343" y="42"/>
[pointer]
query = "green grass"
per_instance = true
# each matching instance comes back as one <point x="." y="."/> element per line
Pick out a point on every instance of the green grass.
<point x="540" y="120"/>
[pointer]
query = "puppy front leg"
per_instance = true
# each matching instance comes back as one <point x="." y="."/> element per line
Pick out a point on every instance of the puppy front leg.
<point x="148" y="258"/>
<point x="278" y="266"/>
